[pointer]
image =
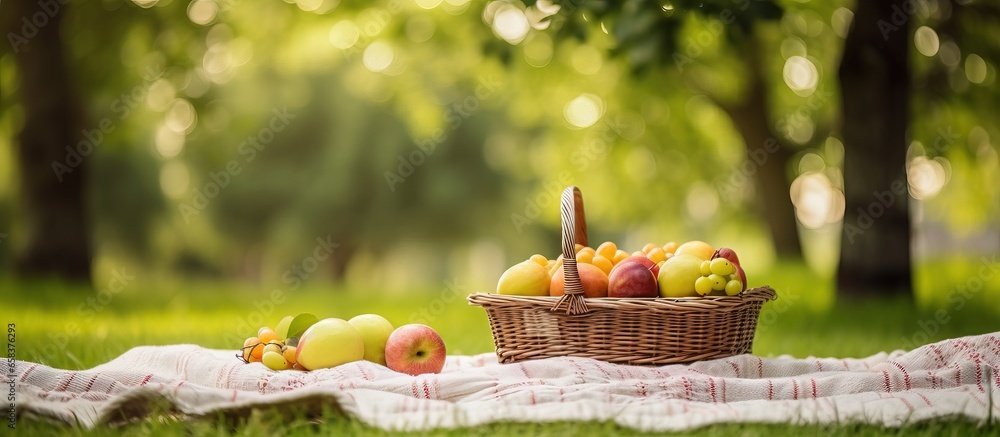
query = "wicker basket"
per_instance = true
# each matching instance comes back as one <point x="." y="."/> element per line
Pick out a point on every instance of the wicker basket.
<point x="618" y="330"/>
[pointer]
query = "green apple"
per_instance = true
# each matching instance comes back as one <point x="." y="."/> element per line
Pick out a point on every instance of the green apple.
<point x="374" y="330"/>
<point x="329" y="343"/>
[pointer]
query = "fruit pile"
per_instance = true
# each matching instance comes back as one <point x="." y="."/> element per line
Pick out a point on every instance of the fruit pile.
<point x="304" y="342"/>
<point x="694" y="268"/>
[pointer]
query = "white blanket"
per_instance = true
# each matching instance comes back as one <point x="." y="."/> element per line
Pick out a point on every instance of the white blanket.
<point x="953" y="377"/>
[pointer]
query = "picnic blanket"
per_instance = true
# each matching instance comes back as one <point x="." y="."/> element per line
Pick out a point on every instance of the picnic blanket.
<point x="951" y="378"/>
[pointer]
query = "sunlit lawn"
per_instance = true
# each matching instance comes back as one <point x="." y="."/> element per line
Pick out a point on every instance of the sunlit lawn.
<point x="804" y="322"/>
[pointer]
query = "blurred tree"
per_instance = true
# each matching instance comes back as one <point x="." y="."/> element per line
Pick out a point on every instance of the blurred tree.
<point x="52" y="147"/>
<point x="647" y="35"/>
<point x="875" y="90"/>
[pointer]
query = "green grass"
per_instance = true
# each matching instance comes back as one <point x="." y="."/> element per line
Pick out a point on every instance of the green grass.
<point x="805" y="321"/>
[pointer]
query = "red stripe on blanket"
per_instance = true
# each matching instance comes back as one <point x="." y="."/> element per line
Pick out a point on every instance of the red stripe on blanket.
<point x="146" y="379"/>
<point x="928" y="401"/>
<point x="711" y="387"/>
<point x="31" y="368"/>
<point x="91" y="383"/>
<point x="906" y="375"/>
<point x="65" y="385"/>
<point x="888" y="384"/>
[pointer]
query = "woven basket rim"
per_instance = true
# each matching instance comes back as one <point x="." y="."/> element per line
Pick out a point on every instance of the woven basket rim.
<point x="763" y="293"/>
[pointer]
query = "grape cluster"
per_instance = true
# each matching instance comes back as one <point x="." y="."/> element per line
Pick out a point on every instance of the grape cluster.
<point x="718" y="275"/>
<point x="268" y="349"/>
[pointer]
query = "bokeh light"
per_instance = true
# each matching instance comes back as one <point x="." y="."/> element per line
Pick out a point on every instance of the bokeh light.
<point x="202" y="12"/>
<point x="800" y="75"/>
<point x="926" y="40"/>
<point x="975" y="69"/>
<point x="926" y="177"/>
<point x="344" y="34"/>
<point x="817" y="202"/>
<point x="510" y="24"/>
<point x="584" y="110"/>
<point x="377" y="57"/>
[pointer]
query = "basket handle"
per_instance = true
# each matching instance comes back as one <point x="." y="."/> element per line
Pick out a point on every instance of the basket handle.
<point x="574" y="230"/>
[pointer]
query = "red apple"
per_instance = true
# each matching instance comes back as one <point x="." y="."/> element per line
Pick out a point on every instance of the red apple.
<point x="727" y="253"/>
<point x="730" y="254"/>
<point x="643" y="260"/>
<point x="632" y="279"/>
<point x="743" y="275"/>
<point x="415" y="349"/>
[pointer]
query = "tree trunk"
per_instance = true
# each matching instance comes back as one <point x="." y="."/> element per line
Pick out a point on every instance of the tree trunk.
<point x="775" y="205"/>
<point x="875" y="82"/>
<point x="769" y="156"/>
<point x="52" y="185"/>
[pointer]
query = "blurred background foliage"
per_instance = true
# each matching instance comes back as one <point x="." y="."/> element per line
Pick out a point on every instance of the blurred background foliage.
<point x="429" y="139"/>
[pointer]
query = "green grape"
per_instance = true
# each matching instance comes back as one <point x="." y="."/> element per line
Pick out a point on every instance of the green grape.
<point x="734" y="287"/>
<point x="718" y="282"/>
<point x="722" y="267"/>
<point x="703" y="285"/>
<point x="274" y="360"/>
<point x="271" y="347"/>
<point x="706" y="268"/>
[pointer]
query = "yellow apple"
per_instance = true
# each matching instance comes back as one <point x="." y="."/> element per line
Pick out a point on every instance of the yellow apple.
<point x="697" y="248"/>
<point x="329" y="343"/>
<point x="678" y="275"/>
<point x="374" y="330"/>
<point x="527" y="278"/>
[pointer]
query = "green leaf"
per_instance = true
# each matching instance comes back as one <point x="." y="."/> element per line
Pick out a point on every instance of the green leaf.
<point x="282" y="328"/>
<point x="300" y="323"/>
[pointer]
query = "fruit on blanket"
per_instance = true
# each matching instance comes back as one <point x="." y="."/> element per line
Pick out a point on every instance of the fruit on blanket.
<point x="697" y="248"/>
<point x="595" y="282"/>
<point x="415" y="349"/>
<point x="330" y="343"/>
<point x="678" y="275"/>
<point x="289" y="353"/>
<point x="526" y="278"/>
<point x="632" y="279"/>
<point x="275" y="360"/>
<point x="253" y="349"/>
<point x="375" y="331"/>
<point x="271" y="347"/>
<point x="266" y="335"/>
